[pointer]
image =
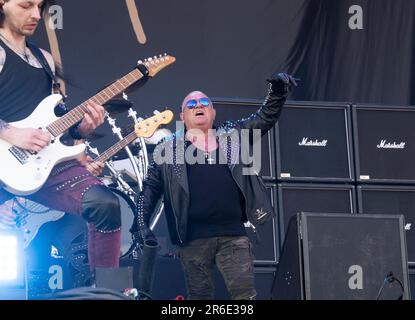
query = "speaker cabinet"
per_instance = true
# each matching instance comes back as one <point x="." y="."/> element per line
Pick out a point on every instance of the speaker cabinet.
<point x="391" y="200"/>
<point x="294" y="198"/>
<point x="313" y="143"/>
<point x="343" y="256"/>
<point x="236" y="109"/>
<point x="384" y="145"/>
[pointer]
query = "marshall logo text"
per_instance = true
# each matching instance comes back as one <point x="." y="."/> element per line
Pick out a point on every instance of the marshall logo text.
<point x="312" y="143"/>
<point x="391" y="145"/>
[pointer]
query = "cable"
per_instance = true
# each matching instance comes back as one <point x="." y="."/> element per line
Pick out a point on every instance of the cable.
<point x="88" y="293"/>
<point x="389" y="278"/>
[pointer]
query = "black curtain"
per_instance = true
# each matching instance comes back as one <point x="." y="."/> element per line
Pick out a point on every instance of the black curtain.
<point x="371" y="65"/>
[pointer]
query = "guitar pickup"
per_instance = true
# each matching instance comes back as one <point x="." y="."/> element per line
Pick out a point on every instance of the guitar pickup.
<point x="19" y="154"/>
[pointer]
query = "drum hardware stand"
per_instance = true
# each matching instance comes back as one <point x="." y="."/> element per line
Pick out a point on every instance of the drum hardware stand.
<point x="117" y="131"/>
<point x="122" y="185"/>
<point x="142" y="156"/>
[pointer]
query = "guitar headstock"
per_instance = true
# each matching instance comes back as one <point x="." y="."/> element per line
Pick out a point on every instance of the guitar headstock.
<point x="157" y="63"/>
<point x="147" y="127"/>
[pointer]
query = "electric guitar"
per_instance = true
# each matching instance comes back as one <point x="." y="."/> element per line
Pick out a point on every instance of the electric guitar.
<point x="23" y="172"/>
<point x="143" y="129"/>
<point x="30" y="216"/>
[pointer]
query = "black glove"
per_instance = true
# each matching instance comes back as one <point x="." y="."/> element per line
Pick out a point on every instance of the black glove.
<point x="148" y="237"/>
<point x="282" y="83"/>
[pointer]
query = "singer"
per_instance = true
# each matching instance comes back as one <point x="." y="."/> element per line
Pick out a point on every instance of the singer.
<point x="208" y="201"/>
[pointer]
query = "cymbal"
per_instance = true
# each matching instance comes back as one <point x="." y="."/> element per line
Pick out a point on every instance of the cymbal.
<point x="116" y="106"/>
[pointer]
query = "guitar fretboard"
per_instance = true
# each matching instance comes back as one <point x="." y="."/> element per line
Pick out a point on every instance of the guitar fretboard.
<point x="116" y="147"/>
<point x="75" y="115"/>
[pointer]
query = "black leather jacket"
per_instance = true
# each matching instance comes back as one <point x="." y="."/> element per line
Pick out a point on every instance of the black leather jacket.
<point x="170" y="179"/>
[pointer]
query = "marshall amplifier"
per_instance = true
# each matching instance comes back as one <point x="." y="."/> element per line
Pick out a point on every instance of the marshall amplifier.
<point x="384" y="144"/>
<point x="265" y="239"/>
<point x="294" y="198"/>
<point x="342" y="256"/>
<point x="236" y="109"/>
<point x="391" y="200"/>
<point x="313" y="142"/>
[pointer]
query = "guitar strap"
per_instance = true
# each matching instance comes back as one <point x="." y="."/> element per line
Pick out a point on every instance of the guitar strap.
<point x="44" y="63"/>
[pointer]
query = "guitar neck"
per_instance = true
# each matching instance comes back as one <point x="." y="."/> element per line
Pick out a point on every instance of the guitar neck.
<point x="75" y="115"/>
<point x="116" y="147"/>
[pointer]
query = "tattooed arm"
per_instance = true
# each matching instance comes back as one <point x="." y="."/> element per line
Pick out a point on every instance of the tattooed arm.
<point x="26" y="138"/>
<point x="2" y="58"/>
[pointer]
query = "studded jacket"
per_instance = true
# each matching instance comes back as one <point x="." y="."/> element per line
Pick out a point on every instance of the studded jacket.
<point x="169" y="178"/>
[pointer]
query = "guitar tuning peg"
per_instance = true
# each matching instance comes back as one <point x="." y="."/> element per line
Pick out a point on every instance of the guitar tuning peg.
<point x="156" y="112"/>
<point x="139" y="62"/>
<point x="140" y="119"/>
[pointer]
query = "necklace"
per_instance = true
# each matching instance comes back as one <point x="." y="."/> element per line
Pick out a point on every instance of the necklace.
<point x="23" y="54"/>
<point x="208" y="155"/>
<point x="208" y="158"/>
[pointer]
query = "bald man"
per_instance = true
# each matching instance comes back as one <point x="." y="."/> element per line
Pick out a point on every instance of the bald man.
<point x="210" y="194"/>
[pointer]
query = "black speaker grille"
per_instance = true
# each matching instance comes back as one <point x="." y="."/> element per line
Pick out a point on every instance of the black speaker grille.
<point x="385" y="146"/>
<point x="313" y="143"/>
<point x="294" y="198"/>
<point x="349" y="256"/>
<point x="391" y="200"/>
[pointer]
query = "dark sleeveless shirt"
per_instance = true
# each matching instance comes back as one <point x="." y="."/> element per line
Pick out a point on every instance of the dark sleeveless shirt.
<point x="22" y="87"/>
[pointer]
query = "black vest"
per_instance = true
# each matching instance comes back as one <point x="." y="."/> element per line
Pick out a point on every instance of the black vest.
<point x="22" y="87"/>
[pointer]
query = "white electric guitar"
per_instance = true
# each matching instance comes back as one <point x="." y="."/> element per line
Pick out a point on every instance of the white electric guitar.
<point x="23" y="172"/>
<point x="30" y="216"/>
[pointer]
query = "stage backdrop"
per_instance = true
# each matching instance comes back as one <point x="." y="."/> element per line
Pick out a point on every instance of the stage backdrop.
<point x="343" y="50"/>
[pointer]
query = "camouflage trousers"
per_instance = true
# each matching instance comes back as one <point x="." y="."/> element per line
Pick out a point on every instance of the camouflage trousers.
<point x="234" y="258"/>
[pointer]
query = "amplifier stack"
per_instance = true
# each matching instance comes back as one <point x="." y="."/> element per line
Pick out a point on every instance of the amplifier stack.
<point x="334" y="158"/>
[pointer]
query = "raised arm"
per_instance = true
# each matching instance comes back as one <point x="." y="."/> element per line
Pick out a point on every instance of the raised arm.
<point x="280" y="85"/>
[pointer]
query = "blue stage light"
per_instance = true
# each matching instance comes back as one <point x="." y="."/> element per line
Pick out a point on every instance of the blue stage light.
<point x="12" y="265"/>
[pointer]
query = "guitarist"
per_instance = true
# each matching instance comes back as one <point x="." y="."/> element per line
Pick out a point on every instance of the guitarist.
<point x="24" y="83"/>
